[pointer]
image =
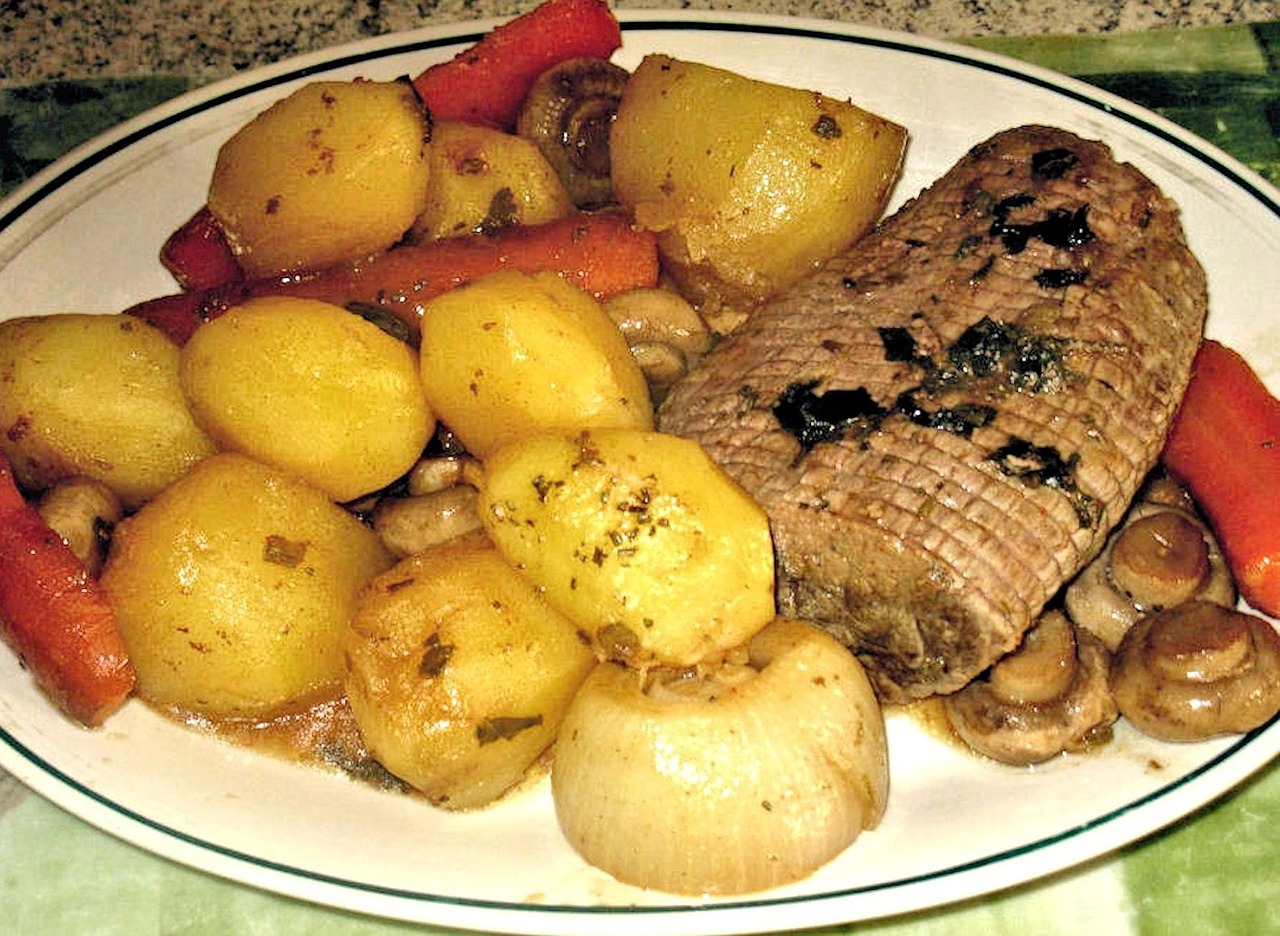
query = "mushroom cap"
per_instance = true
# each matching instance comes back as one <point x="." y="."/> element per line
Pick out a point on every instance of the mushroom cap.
<point x="1197" y="671"/>
<point x="1149" y="563"/>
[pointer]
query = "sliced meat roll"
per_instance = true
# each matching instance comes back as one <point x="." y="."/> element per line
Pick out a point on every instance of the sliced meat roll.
<point x="944" y="423"/>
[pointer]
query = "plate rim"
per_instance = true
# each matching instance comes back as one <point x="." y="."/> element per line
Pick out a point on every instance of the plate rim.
<point x="1261" y="745"/>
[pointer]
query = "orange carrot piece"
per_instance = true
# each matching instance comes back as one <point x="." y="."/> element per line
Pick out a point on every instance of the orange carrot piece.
<point x="604" y="254"/>
<point x="488" y="82"/>
<point x="1225" y="447"/>
<point x="55" y="616"/>
<point x="199" y="255"/>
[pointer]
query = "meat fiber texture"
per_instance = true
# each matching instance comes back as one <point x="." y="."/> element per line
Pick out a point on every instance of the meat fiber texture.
<point x="944" y="423"/>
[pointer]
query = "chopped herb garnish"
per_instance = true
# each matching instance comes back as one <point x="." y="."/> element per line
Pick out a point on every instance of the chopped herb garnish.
<point x="898" y="344"/>
<point x="813" y="418"/>
<point x="388" y="321"/>
<point x="827" y="128"/>
<point x="1058" y="228"/>
<point x="435" y="656"/>
<point x="1060" y="278"/>
<point x="281" y="551"/>
<point x="505" y="727"/>
<point x="1053" y="163"/>
<point x="960" y="420"/>
<point x="1043" y="465"/>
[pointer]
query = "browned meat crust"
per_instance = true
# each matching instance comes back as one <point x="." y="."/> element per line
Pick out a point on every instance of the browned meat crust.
<point x="944" y="423"/>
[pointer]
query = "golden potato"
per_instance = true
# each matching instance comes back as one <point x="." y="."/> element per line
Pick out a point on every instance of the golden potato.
<point x="638" y="537"/>
<point x="512" y="354"/>
<point x="749" y="184"/>
<point x="459" y="673"/>
<point x="312" y="388"/>
<point x="98" y="396"/>
<point x="336" y="171"/>
<point x="233" y="589"/>
<point x="483" y="179"/>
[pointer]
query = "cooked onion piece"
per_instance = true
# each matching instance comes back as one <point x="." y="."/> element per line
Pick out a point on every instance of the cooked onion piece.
<point x="728" y="781"/>
<point x="459" y="673"/>
<point x="1161" y="556"/>
<point x="1047" y="697"/>
<point x="1197" y="671"/>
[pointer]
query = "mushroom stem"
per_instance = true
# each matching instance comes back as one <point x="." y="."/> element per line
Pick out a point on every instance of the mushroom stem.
<point x="434" y="474"/>
<point x="408" y="525"/>
<point x="665" y="333"/>
<point x="1042" y="668"/>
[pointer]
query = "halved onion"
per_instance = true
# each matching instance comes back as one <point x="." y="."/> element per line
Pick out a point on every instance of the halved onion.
<point x="726" y="782"/>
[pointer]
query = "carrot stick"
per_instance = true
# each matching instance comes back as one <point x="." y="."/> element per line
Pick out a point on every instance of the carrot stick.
<point x="487" y="83"/>
<point x="55" y="616"/>
<point x="602" y="253"/>
<point x="1225" y="447"/>
<point x="199" y="255"/>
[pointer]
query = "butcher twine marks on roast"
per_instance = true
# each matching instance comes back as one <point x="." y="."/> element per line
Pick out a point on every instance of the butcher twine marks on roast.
<point x="944" y="423"/>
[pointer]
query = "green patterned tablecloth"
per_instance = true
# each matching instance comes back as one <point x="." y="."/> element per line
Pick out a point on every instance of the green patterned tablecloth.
<point x="1214" y="874"/>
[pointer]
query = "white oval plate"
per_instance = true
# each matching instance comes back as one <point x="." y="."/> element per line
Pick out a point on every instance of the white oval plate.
<point x="84" y="236"/>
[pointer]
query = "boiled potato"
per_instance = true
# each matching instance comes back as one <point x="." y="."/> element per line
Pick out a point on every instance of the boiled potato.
<point x="460" y="673"/>
<point x="233" y="589"/>
<point x="749" y="184"/>
<point x="638" y="537"/>
<point x="97" y="396"/>
<point x="512" y="354"/>
<point x="483" y="179"/>
<point x="312" y="388"/>
<point x="336" y="171"/>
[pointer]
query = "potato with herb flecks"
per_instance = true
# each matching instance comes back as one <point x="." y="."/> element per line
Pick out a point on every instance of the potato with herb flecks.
<point x="512" y="354"/>
<point x="638" y="537"/>
<point x="748" y="184"/>
<point x="334" y="172"/>
<point x="95" y="396"/>
<point x="483" y="179"/>
<point x="233" y="589"/>
<point x="459" y="672"/>
<point x="311" y="388"/>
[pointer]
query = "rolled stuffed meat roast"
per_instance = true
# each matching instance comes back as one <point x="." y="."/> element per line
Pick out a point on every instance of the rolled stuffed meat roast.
<point x="944" y="423"/>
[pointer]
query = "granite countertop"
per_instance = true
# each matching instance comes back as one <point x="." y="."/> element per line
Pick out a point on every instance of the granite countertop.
<point x="42" y="40"/>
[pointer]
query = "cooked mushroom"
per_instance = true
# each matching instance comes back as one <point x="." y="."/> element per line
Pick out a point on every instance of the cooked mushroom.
<point x="1048" y="697"/>
<point x="440" y="506"/>
<point x="438" y="472"/>
<point x="666" y="334"/>
<point x="568" y="113"/>
<point x="1197" y="671"/>
<point x="83" y="512"/>
<point x="408" y="525"/>
<point x="1161" y="555"/>
<point x="780" y="755"/>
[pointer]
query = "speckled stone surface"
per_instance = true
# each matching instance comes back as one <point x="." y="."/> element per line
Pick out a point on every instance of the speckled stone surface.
<point x="43" y="40"/>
